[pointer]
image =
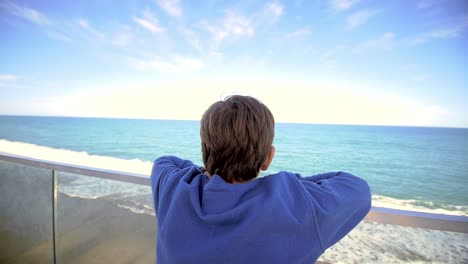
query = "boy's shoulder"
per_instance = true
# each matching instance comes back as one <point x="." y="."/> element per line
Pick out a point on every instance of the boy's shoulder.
<point x="281" y="180"/>
<point x="281" y="176"/>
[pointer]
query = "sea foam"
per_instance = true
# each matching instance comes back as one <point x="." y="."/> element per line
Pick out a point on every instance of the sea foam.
<point x="75" y="158"/>
<point x="418" y="205"/>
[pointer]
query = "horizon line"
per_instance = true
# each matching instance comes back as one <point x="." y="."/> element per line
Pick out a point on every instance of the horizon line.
<point x="276" y="122"/>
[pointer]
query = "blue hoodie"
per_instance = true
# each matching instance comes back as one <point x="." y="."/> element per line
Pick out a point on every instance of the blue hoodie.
<point x="280" y="218"/>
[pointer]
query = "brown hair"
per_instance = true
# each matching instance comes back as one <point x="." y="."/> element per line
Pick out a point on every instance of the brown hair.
<point x="236" y="136"/>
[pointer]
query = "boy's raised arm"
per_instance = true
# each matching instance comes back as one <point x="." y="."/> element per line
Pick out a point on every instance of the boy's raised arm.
<point x="165" y="171"/>
<point x="172" y="162"/>
<point x="340" y="201"/>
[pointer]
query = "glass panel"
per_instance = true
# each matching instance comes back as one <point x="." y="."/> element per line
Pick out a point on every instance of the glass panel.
<point x="372" y="242"/>
<point x="25" y="214"/>
<point x="104" y="221"/>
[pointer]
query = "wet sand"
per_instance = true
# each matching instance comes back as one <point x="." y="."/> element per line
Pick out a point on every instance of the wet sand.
<point x="372" y="242"/>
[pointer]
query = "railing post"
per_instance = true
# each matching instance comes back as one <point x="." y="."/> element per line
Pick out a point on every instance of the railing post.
<point x="54" y="213"/>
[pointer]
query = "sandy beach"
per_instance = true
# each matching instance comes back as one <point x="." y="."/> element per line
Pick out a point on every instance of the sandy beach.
<point x="372" y="242"/>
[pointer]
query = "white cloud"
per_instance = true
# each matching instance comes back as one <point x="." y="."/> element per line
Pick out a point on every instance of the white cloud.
<point x="27" y="13"/>
<point x="206" y="49"/>
<point x="299" y="34"/>
<point x="385" y="42"/>
<point x="174" y="64"/>
<point x="329" y="58"/>
<point x="359" y="18"/>
<point x="149" y="22"/>
<point x="83" y="23"/>
<point x="34" y="16"/>
<point x="236" y="25"/>
<point x="442" y="33"/>
<point x="7" y="77"/>
<point x="233" y="26"/>
<point x="274" y="9"/>
<point x="192" y="38"/>
<point x="452" y="31"/>
<point x="122" y="38"/>
<point x="343" y="4"/>
<point x="58" y="35"/>
<point x="172" y="7"/>
<point x="91" y="33"/>
<point x="268" y="15"/>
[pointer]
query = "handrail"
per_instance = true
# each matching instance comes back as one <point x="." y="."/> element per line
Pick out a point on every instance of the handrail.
<point x="77" y="169"/>
<point x="452" y="223"/>
<point x="383" y="215"/>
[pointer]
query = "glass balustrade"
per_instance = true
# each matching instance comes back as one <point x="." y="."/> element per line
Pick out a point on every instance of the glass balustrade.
<point x="26" y="231"/>
<point x="103" y="221"/>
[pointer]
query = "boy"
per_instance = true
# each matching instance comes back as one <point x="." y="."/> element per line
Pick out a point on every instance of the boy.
<point x="224" y="214"/>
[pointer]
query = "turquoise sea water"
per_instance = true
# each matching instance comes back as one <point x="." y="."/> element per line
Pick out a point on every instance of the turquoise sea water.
<point x="426" y="167"/>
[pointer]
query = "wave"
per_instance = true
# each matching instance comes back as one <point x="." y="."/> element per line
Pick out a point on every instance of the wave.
<point x="138" y="198"/>
<point x="419" y="205"/>
<point x="75" y="158"/>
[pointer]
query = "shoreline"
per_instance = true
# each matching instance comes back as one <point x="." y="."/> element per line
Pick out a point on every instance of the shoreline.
<point x="371" y="242"/>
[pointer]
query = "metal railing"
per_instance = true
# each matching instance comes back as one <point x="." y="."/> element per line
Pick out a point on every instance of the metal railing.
<point x="391" y="216"/>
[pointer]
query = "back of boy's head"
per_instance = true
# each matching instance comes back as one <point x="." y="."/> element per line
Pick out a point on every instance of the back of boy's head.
<point x="236" y="137"/>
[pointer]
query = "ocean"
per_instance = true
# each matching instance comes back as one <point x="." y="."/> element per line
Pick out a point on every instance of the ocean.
<point x="414" y="168"/>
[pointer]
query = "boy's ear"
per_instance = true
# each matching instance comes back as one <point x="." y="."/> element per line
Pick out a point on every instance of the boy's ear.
<point x="269" y="159"/>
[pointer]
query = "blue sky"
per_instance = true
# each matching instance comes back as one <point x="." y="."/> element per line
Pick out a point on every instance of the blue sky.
<point x="338" y="61"/>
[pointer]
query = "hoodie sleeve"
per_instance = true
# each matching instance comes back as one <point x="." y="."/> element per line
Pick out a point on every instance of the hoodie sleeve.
<point x="339" y="202"/>
<point x="166" y="174"/>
